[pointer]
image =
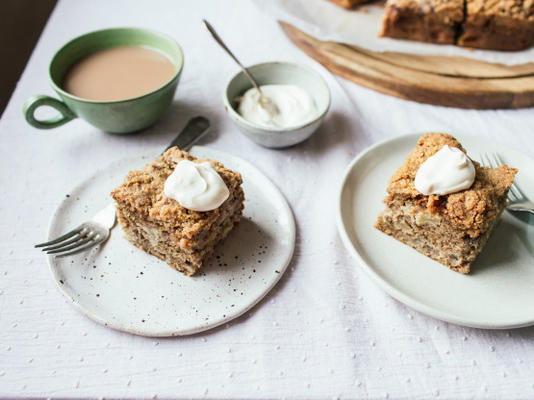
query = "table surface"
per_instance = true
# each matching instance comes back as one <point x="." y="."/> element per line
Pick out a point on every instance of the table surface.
<point x="325" y="331"/>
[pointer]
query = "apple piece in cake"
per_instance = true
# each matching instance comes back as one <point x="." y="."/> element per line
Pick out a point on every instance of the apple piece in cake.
<point x="160" y="226"/>
<point x="451" y="229"/>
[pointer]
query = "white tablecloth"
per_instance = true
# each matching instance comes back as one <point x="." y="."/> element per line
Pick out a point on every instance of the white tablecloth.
<point x="325" y="331"/>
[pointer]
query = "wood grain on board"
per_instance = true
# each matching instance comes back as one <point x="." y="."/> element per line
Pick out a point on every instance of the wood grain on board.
<point x="440" y="80"/>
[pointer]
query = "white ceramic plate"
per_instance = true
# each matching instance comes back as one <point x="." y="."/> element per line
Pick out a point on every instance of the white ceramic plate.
<point x="124" y="288"/>
<point x="499" y="292"/>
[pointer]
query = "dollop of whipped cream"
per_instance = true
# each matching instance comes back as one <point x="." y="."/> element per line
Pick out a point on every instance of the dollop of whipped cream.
<point x="447" y="171"/>
<point x="286" y="106"/>
<point x="196" y="186"/>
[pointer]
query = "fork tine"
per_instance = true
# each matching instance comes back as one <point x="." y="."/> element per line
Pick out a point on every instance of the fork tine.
<point x="65" y="243"/>
<point x="83" y="248"/>
<point x="87" y="239"/>
<point x="514" y="189"/>
<point x="492" y="160"/>
<point x="497" y="159"/>
<point x="513" y="192"/>
<point x="485" y="160"/>
<point x="517" y="191"/>
<point x="61" y="238"/>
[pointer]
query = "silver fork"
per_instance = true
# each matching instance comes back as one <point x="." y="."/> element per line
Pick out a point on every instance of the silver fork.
<point x="85" y="236"/>
<point x="517" y="199"/>
<point x="97" y="229"/>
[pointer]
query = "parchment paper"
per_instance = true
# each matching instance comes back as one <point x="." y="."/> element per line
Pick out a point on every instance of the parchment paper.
<point x="327" y="21"/>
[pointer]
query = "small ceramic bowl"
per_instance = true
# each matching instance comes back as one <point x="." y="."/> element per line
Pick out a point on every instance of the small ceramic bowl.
<point x="278" y="73"/>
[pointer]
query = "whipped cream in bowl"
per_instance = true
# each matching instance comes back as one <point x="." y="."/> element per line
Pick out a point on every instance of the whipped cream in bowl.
<point x="287" y="106"/>
<point x="196" y="186"/>
<point x="298" y="100"/>
<point x="447" y="171"/>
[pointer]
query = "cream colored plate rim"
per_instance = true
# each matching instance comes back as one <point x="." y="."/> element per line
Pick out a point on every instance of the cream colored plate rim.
<point x="285" y="249"/>
<point x="405" y="296"/>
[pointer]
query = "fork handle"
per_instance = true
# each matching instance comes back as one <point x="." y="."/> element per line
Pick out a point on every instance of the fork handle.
<point x="196" y="128"/>
<point x="523" y="207"/>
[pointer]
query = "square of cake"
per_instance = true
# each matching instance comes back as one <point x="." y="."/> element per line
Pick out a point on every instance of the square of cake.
<point x="434" y="21"/>
<point x="451" y="228"/>
<point x="174" y="231"/>
<point x="498" y="25"/>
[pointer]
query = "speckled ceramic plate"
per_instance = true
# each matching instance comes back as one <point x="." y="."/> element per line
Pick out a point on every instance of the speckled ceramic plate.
<point x="499" y="292"/>
<point x="124" y="288"/>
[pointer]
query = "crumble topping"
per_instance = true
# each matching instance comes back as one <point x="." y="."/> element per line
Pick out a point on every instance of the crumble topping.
<point x="471" y="209"/>
<point x="142" y="193"/>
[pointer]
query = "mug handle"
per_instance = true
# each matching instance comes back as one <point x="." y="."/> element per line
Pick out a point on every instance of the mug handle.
<point x="34" y="102"/>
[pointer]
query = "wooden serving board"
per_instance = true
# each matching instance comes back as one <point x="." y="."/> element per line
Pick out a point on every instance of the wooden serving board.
<point x="440" y="80"/>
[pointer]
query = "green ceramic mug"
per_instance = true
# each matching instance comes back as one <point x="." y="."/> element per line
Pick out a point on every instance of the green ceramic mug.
<point x="121" y="116"/>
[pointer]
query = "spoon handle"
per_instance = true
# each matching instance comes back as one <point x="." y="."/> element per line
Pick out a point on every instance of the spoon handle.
<point x="221" y="43"/>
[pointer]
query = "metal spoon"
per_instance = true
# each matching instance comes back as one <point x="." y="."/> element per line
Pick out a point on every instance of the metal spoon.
<point x="265" y="102"/>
